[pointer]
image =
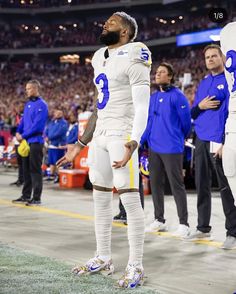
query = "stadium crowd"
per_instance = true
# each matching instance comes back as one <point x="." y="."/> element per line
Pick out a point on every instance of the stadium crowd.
<point x="65" y="85"/>
<point x="69" y="34"/>
<point x="48" y="3"/>
<point x="71" y="85"/>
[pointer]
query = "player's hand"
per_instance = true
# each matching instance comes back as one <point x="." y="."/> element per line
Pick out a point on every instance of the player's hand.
<point x="72" y="151"/>
<point x="209" y="103"/>
<point x="130" y="147"/>
<point x="219" y="152"/>
<point x="19" y="137"/>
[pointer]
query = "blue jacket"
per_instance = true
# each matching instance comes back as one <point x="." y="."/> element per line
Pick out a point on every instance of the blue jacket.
<point x="210" y="124"/>
<point x="72" y="135"/>
<point x="169" y="122"/>
<point x="56" y="131"/>
<point x="34" y="119"/>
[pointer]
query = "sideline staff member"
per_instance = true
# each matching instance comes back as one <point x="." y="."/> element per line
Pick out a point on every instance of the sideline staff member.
<point x="169" y="123"/>
<point x="31" y="129"/>
<point x="210" y="111"/>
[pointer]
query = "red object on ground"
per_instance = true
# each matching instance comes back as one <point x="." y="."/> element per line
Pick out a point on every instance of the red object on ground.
<point x="72" y="178"/>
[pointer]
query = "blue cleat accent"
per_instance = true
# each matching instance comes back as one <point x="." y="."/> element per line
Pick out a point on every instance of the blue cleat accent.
<point x="94" y="265"/>
<point x="133" y="277"/>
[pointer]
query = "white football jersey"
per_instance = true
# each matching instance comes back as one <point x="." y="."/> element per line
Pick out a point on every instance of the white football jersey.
<point x="126" y="66"/>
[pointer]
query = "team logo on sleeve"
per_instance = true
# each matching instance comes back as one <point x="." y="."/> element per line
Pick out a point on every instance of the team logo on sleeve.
<point x="230" y="66"/>
<point x="145" y="56"/>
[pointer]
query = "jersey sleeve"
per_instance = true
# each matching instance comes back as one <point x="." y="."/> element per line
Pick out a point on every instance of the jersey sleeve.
<point x="139" y="53"/>
<point x="96" y="57"/>
<point x="139" y="65"/>
<point x="93" y="61"/>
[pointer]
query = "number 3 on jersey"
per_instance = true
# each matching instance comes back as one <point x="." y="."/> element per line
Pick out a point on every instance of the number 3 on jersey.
<point x="102" y="78"/>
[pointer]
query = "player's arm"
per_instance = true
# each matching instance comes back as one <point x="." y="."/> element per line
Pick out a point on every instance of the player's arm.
<point x="74" y="150"/>
<point x="146" y="133"/>
<point x="183" y="110"/>
<point x="141" y="96"/>
<point x="139" y="74"/>
<point x="19" y="130"/>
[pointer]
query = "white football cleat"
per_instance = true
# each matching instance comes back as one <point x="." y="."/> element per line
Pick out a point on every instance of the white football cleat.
<point x="133" y="277"/>
<point x="94" y="265"/>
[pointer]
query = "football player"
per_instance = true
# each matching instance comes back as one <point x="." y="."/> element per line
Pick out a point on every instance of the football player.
<point x="122" y="79"/>
<point x="228" y="47"/>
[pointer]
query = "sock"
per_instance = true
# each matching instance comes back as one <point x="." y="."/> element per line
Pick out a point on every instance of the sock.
<point x="104" y="257"/>
<point x="103" y="222"/>
<point x="135" y="220"/>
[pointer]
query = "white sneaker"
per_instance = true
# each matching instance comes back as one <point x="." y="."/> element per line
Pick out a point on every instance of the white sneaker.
<point x="156" y="226"/>
<point x="199" y="236"/>
<point x="182" y="232"/>
<point x="229" y="243"/>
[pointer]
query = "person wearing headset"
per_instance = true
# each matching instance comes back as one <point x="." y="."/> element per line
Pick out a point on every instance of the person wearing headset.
<point x="169" y="123"/>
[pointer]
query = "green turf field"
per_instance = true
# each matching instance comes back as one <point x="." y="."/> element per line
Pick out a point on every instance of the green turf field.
<point x="24" y="273"/>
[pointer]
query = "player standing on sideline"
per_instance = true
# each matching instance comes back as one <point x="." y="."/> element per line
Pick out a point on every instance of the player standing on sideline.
<point x="122" y="78"/>
<point x="228" y="46"/>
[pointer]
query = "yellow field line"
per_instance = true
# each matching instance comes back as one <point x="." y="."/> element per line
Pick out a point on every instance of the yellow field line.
<point x="205" y="242"/>
<point x="54" y="211"/>
<point x="90" y="218"/>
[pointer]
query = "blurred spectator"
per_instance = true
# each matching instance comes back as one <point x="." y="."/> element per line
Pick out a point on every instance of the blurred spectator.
<point x="19" y="115"/>
<point x="2" y="121"/>
<point x="189" y="92"/>
<point x="56" y="139"/>
<point x="72" y="132"/>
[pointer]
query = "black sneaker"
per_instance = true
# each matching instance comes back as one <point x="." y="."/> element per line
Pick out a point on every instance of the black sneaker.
<point x="21" y="200"/>
<point x="120" y="218"/>
<point x="17" y="183"/>
<point x="33" y="202"/>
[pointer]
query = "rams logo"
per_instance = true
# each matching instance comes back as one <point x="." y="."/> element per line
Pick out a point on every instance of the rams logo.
<point x="230" y="66"/>
<point x="220" y="87"/>
<point x="145" y="56"/>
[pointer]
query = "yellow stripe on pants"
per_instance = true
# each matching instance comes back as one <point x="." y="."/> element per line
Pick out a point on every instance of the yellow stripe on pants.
<point x="131" y="170"/>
